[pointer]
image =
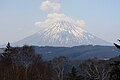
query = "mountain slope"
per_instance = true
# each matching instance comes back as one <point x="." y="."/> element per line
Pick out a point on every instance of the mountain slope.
<point x="62" y="33"/>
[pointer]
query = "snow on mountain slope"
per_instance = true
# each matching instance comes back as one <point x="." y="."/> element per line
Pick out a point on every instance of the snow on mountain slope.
<point x="61" y="31"/>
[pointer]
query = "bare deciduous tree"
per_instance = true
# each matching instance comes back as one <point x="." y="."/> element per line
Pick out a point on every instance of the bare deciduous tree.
<point x="58" y="67"/>
<point x="96" y="70"/>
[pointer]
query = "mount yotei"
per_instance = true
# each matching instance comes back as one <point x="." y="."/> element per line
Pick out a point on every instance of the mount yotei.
<point x="61" y="32"/>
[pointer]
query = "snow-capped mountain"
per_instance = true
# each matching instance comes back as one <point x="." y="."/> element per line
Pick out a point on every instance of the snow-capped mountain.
<point x="61" y="33"/>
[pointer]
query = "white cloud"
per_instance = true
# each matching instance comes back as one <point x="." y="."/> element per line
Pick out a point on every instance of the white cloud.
<point x="53" y="9"/>
<point x="49" y="5"/>
<point x="80" y="22"/>
<point x="53" y="17"/>
<point x="38" y="23"/>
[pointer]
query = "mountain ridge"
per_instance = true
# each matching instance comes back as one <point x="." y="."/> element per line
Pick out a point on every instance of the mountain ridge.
<point x="82" y="52"/>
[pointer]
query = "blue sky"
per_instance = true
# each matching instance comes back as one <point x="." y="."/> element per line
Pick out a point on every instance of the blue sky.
<point x="18" y="17"/>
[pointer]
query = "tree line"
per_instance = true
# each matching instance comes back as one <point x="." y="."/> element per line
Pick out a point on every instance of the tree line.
<point x="23" y="63"/>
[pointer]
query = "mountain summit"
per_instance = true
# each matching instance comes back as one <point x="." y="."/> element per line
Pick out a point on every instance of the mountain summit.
<point x="61" y="31"/>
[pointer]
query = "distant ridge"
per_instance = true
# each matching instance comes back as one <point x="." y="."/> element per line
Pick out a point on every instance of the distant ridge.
<point x="82" y="52"/>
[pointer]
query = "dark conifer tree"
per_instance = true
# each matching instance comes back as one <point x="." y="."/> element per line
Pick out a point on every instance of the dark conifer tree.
<point x="73" y="75"/>
<point x="8" y="48"/>
<point x="115" y="72"/>
<point x="118" y="46"/>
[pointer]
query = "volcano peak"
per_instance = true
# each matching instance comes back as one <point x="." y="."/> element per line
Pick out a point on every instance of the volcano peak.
<point x="62" y="33"/>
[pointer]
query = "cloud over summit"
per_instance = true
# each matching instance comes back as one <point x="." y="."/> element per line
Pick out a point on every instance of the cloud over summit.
<point x="50" y="5"/>
<point x="54" y="17"/>
<point x="54" y="14"/>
